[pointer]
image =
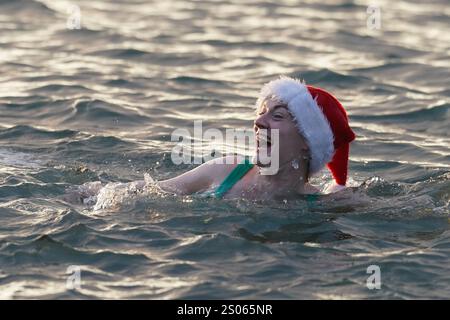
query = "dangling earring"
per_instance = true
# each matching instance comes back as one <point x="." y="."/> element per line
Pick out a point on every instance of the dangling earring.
<point x="295" y="164"/>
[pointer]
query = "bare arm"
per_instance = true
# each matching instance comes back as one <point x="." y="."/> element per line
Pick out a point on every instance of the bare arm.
<point x="199" y="179"/>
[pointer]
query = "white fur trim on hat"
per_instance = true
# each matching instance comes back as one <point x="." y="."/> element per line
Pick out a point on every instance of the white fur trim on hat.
<point x="311" y="122"/>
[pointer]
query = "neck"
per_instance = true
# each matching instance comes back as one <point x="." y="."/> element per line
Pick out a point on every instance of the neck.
<point x="290" y="178"/>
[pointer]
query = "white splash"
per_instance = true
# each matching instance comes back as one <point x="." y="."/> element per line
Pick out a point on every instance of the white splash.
<point x="111" y="196"/>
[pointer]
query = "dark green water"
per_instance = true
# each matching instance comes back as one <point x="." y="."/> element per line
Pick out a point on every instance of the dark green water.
<point x="100" y="103"/>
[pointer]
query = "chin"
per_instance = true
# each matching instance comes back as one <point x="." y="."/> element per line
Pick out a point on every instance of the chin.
<point x="256" y="160"/>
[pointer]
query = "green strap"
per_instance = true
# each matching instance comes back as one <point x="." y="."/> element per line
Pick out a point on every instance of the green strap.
<point x="311" y="198"/>
<point x="238" y="172"/>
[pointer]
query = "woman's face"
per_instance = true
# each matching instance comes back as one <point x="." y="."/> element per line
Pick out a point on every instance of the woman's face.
<point x="273" y="114"/>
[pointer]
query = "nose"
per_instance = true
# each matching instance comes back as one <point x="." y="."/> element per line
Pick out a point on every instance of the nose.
<point x="261" y="122"/>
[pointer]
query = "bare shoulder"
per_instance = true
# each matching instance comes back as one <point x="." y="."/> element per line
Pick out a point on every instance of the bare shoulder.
<point x="222" y="167"/>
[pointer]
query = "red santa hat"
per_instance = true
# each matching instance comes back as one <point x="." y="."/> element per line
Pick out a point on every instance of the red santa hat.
<point x="321" y="120"/>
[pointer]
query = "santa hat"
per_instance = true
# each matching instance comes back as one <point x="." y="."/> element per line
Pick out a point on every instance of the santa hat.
<point x="321" y="120"/>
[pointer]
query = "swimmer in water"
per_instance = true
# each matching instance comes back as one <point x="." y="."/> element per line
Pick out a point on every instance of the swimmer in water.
<point x="313" y="132"/>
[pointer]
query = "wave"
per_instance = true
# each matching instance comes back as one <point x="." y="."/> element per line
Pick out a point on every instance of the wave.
<point x="200" y="81"/>
<point x="65" y="88"/>
<point x="410" y="75"/>
<point x="160" y="58"/>
<point x="20" y="132"/>
<point x="30" y="7"/>
<point x="46" y="249"/>
<point x="432" y="113"/>
<point x="330" y="77"/>
<point x="121" y="53"/>
<point x="99" y="111"/>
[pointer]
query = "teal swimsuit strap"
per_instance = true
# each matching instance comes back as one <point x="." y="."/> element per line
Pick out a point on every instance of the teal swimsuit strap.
<point x="238" y="172"/>
<point x="311" y="198"/>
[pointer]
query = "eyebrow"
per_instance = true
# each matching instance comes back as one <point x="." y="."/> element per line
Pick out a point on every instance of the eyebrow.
<point x="278" y="106"/>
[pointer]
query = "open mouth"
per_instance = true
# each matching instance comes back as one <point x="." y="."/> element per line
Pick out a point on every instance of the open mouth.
<point x="263" y="141"/>
<point x="263" y="150"/>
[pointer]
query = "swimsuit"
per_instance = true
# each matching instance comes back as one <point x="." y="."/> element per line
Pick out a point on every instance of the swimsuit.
<point x="238" y="172"/>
